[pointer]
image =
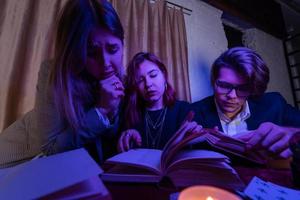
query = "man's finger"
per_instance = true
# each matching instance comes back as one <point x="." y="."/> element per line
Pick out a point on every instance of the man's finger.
<point x="287" y="153"/>
<point x="258" y="135"/>
<point x="280" y="145"/>
<point x="271" y="139"/>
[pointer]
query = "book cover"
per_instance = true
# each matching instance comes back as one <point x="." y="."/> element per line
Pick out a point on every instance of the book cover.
<point x="65" y="175"/>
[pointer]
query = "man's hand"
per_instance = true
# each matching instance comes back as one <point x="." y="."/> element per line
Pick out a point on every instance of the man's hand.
<point x="270" y="137"/>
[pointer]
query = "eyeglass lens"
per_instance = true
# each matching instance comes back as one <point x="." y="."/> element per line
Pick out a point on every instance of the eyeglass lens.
<point x="225" y="88"/>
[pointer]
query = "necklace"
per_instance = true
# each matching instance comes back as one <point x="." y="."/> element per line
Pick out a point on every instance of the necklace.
<point x="154" y="128"/>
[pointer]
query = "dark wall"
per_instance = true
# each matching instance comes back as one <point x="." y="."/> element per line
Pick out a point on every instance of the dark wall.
<point x="262" y="14"/>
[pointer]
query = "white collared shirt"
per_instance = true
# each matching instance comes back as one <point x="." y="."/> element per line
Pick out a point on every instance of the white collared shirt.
<point x="237" y="125"/>
<point x="102" y="118"/>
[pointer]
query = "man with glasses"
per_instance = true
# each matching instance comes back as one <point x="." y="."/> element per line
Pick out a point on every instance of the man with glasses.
<point x="241" y="108"/>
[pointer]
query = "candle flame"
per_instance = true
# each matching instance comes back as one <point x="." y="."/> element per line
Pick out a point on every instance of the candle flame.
<point x="209" y="198"/>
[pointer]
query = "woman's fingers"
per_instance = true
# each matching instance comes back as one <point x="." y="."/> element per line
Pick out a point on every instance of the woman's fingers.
<point x="127" y="137"/>
<point x="111" y="91"/>
<point x="137" y="137"/>
<point x="111" y="84"/>
<point x="126" y="140"/>
<point x="216" y="128"/>
<point x="120" y="143"/>
<point x="193" y="127"/>
<point x="197" y="129"/>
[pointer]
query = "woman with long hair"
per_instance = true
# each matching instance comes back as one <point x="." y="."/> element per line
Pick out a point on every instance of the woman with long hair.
<point x="85" y="86"/>
<point x="78" y="92"/>
<point x="151" y="110"/>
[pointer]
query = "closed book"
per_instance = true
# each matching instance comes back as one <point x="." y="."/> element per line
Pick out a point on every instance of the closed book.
<point x="69" y="175"/>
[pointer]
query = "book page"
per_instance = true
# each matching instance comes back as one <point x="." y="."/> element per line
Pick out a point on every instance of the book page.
<point x="198" y="156"/>
<point x="224" y="143"/>
<point x="182" y="141"/>
<point x="120" y="173"/>
<point x="237" y="148"/>
<point x="203" y="155"/>
<point x="144" y="158"/>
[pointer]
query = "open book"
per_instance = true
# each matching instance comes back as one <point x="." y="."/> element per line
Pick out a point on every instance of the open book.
<point x="182" y="166"/>
<point x="227" y="145"/>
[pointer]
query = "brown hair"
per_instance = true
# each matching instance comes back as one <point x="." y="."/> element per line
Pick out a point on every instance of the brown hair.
<point x="246" y="62"/>
<point x="71" y="85"/>
<point x="134" y="103"/>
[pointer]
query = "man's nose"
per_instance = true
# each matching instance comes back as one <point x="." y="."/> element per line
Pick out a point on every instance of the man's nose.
<point x="232" y="93"/>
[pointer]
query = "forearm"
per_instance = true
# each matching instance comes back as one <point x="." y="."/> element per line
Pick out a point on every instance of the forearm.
<point x="67" y="139"/>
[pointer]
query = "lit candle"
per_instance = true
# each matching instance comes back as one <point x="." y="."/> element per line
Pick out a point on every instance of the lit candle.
<point x="203" y="192"/>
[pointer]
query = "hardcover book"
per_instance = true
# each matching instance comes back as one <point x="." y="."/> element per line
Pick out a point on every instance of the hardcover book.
<point x="69" y="175"/>
<point x="179" y="163"/>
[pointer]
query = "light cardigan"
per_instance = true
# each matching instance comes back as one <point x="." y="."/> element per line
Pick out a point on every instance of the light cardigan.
<point x="18" y="142"/>
<point x="42" y="130"/>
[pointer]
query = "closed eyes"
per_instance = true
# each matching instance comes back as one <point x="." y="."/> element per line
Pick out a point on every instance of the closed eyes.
<point x="94" y="48"/>
<point x="151" y="74"/>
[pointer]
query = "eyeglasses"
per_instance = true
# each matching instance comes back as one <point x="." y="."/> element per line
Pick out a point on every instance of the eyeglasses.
<point x="242" y="90"/>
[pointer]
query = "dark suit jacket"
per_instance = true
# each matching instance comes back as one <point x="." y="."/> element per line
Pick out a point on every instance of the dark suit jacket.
<point x="271" y="107"/>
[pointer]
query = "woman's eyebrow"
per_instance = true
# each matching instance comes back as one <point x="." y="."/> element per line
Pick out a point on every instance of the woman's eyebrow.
<point x="113" y="43"/>
<point x="153" y="70"/>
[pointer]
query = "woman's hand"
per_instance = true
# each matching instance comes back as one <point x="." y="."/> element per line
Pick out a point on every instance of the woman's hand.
<point x="110" y="93"/>
<point x="191" y="127"/>
<point x="127" y="137"/>
<point x="187" y="127"/>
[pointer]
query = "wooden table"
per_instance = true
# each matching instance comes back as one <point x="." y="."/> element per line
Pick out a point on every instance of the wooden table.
<point x="137" y="191"/>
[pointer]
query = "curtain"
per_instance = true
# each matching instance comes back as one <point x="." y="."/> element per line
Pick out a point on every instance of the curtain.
<point x="152" y="26"/>
<point x="26" y="38"/>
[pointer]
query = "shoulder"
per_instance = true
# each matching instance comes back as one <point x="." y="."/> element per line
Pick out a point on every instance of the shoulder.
<point x="269" y="98"/>
<point x="179" y="103"/>
<point x="271" y="101"/>
<point x="272" y="95"/>
<point x="205" y="102"/>
<point x="179" y="108"/>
